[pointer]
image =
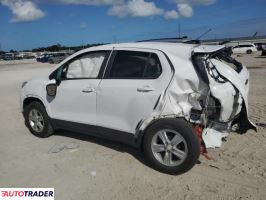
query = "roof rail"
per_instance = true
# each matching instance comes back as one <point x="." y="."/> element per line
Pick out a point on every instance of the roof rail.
<point x="173" y="40"/>
<point x="192" y="42"/>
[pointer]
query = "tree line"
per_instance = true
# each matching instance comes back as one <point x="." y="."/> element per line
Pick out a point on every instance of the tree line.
<point x="55" y="48"/>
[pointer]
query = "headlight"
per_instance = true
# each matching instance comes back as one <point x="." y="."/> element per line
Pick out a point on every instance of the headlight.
<point x="23" y="84"/>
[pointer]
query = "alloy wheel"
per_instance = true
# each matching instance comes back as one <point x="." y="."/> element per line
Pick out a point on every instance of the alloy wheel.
<point x="36" y="120"/>
<point x="169" y="147"/>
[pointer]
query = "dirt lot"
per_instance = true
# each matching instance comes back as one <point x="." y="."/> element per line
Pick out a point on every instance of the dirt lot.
<point x="87" y="168"/>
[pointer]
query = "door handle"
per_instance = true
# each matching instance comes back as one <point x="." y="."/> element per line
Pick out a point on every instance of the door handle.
<point x="145" y="88"/>
<point x="88" y="90"/>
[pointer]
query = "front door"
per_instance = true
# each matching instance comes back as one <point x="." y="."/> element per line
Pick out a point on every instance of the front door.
<point x="75" y="100"/>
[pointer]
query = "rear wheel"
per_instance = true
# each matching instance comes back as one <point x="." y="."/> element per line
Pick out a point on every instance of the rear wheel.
<point x="37" y="120"/>
<point x="171" y="146"/>
<point x="249" y="51"/>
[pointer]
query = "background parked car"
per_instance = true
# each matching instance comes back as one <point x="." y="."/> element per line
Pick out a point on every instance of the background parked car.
<point x="18" y="57"/>
<point x="245" y="48"/>
<point x="263" y="50"/>
<point x="28" y="57"/>
<point x="57" y="58"/>
<point x="44" y="58"/>
<point x="8" y="56"/>
<point x="260" y="46"/>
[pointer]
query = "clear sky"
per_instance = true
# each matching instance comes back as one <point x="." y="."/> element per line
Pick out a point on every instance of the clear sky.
<point x="26" y="24"/>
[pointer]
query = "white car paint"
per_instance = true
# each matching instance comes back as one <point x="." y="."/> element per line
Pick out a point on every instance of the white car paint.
<point x="244" y="48"/>
<point x="131" y="105"/>
<point x="71" y="104"/>
<point x="123" y="103"/>
<point x="207" y="48"/>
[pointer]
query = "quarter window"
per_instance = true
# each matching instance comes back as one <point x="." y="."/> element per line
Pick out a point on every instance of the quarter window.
<point x="153" y="67"/>
<point x="135" y="65"/>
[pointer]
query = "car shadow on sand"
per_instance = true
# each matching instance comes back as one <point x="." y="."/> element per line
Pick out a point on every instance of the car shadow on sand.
<point x="137" y="153"/>
<point x="120" y="147"/>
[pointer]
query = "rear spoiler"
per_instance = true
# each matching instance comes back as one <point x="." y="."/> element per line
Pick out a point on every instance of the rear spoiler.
<point x="207" y="48"/>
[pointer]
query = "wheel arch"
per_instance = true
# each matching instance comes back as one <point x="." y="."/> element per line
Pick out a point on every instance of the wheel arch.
<point x="27" y="101"/>
<point x="39" y="105"/>
<point x="141" y="133"/>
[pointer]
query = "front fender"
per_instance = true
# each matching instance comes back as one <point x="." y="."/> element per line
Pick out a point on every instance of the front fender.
<point x="35" y="89"/>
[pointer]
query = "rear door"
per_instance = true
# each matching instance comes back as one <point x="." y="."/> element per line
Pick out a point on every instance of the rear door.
<point x="132" y="84"/>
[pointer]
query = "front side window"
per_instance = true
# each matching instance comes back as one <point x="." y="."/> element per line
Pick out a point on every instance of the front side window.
<point x="135" y="65"/>
<point x="85" y="66"/>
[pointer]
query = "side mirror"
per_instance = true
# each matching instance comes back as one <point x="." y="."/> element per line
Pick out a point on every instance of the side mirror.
<point x="51" y="88"/>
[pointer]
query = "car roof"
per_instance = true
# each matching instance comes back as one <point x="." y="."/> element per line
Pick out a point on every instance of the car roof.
<point x="181" y="50"/>
<point x="178" y="48"/>
<point x="162" y="46"/>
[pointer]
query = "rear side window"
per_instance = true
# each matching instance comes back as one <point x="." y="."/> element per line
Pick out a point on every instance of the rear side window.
<point x="245" y="45"/>
<point x="135" y="65"/>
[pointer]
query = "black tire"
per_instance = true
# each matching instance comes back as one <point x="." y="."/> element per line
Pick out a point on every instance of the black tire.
<point x="47" y="127"/>
<point x="188" y="134"/>
<point x="249" y="51"/>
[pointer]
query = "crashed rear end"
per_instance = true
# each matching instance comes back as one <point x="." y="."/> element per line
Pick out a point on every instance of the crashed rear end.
<point x="210" y="92"/>
<point x="226" y="103"/>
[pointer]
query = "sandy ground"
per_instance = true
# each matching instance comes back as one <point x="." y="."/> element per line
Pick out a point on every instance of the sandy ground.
<point x="88" y="168"/>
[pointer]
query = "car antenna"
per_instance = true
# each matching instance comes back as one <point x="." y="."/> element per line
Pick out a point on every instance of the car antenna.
<point x="197" y="40"/>
<point x="255" y="34"/>
<point x="206" y="32"/>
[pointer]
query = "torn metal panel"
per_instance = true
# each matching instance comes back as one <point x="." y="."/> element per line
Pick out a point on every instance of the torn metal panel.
<point x="210" y="91"/>
<point x="182" y="94"/>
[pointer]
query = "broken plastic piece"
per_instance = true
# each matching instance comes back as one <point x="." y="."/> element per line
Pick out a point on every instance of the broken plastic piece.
<point x="61" y="146"/>
<point x="213" y="138"/>
<point x="93" y="173"/>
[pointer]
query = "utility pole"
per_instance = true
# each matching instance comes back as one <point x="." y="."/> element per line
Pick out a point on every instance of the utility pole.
<point x="114" y="39"/>
<point x="114" y="34"/>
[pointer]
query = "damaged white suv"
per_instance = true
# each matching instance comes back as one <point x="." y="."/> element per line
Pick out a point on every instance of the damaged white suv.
<point x="150" y="95"/>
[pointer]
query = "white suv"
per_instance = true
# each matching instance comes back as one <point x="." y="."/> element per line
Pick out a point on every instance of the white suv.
<point x="151" y="95"/>
<point x="245" y="48"/>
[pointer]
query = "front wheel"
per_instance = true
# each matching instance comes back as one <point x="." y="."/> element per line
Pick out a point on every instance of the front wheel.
<point x="171" y="146"/>
<point x="37" y="120"/>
